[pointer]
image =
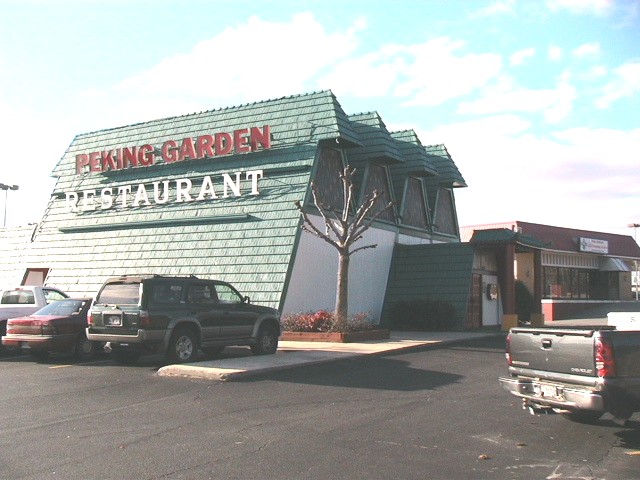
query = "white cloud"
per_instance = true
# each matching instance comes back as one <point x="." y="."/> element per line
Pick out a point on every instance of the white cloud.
<point x="567" y="179"/>
<point x="507" y="96"/>
<point x="591" y="7"/>
<point x="554" y="53"/>
<point x="519" y="57"/>
<point x="587" y="50"/>
<point x="625" y="84"/>
<point x="499" y="7"/>
<point x="427" y="74"/>
<point x="370" y="75"/>
<point x="595" y="72"/>
<point x="266" y="59"/>
<point x="438" y="74"/>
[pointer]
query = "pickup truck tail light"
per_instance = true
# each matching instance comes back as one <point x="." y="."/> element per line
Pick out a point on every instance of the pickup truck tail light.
<point x="605" y="360"/>
<point x="507" y="349"/>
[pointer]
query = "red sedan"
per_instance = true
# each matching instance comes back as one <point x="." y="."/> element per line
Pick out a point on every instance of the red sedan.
<point x="58" y="327"/>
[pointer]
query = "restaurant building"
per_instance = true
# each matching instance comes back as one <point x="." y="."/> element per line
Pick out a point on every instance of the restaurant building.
<point x="569" y="273"/>
<point x="213" y="194"/>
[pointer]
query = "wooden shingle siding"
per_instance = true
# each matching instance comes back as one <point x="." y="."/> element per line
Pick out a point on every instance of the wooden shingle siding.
<point x="431" y="272"/>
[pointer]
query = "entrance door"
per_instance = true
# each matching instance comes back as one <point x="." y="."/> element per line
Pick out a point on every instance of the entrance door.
<point x="490" y="301"/>
<point x="474" y="311"/>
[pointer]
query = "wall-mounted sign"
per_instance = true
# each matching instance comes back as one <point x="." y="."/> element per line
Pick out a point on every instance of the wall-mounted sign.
<point x="593" y="245"/>
<point x="243" y="140"/>
<point x="492" y="291"/>
<point x="158" y="193"/>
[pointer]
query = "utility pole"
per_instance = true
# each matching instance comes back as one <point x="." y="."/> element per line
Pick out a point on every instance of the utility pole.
<point x="635" y="226"/>
<point x="6" y="189"/>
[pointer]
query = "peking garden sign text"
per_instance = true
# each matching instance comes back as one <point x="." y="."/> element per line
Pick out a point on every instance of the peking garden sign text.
<point x="239" y="141"/>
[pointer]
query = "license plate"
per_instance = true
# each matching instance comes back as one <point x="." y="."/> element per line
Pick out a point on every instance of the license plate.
<point x="114" y="320"/>
<point x="548" y="390"/>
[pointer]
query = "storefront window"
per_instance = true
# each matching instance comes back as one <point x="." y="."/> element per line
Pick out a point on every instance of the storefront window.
<point x="579" y="283"/>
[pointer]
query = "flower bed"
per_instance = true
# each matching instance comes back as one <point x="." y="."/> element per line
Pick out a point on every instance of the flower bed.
<point x="337" y="337"/>
<point x="321" y="326"/>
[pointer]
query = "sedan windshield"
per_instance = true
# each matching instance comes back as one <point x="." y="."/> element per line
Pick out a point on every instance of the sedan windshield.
<point x="63" y="307"/>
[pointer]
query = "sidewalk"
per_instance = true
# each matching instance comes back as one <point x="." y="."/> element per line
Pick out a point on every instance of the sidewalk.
<point x="296" y="354"/>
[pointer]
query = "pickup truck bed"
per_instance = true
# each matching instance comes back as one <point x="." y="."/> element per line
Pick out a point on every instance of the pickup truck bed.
<point x="581" y="371"/>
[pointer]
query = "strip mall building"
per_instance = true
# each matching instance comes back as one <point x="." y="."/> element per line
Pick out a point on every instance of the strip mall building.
<point x="213" y="194"/>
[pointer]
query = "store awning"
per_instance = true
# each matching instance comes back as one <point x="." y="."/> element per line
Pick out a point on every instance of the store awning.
<point x="614" y="264"/>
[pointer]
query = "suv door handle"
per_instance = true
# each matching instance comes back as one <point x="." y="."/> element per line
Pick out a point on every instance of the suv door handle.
<point x="546" y="343"/>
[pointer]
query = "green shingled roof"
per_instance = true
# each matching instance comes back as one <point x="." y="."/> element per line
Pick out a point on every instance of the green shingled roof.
<point x="247" y="240"/>
<point x="448" y="173"/>
<point x="505" y="235"/>
<point x="378" y="145"/>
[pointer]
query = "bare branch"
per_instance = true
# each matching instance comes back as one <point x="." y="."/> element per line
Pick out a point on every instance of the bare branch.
<point x="322" y="209"/>
<point x="363" y="248"/>
<point x="366" y="226"/>
<point x="309" y="226"/>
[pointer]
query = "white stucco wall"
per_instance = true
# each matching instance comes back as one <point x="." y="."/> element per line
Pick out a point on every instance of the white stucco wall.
<point x="314" y="278"/>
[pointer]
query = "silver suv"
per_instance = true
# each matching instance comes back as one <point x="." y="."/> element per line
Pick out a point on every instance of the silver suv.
<point x="177" y="316"/>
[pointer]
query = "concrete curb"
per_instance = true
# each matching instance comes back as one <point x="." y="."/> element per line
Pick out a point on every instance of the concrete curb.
<point x="297" y="354"/>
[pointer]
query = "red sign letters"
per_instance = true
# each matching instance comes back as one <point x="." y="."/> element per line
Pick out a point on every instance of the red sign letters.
<point x="244" y="140"/>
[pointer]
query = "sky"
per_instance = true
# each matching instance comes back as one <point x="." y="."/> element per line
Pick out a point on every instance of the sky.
<point x="537" y="101"/>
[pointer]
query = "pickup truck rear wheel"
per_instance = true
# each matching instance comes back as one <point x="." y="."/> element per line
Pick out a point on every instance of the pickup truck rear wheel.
<point x="267" y="341"/>
<point x="183" y="346"/>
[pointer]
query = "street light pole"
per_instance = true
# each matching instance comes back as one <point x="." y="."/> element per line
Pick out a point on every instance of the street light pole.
<point x="6" y="189"/>
<point x="635" y="226"/>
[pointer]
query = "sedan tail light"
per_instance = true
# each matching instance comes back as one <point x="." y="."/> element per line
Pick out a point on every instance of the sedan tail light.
<point x="48" y="329"/>
<point x="89" y="319"/>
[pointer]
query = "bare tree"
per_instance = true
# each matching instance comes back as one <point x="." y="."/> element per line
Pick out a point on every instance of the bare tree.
<point x="342" y="230"/>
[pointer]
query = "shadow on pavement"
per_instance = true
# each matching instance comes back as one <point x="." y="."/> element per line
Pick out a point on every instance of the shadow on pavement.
<point x="370" y="372"/>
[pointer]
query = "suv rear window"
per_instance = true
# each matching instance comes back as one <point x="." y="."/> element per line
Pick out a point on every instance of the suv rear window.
<point x="120" y="294"/>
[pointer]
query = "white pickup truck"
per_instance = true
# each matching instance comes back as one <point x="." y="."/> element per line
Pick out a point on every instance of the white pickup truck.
<point x="25" y="300"/>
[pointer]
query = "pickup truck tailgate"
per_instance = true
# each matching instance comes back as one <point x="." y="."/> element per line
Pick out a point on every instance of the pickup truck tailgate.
<point x="559" y="350"/>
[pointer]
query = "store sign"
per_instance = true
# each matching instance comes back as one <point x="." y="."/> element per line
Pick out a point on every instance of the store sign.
<point x="158" y="193"/>
<point x="243" y="140"/>
<point x="593" y="245"/>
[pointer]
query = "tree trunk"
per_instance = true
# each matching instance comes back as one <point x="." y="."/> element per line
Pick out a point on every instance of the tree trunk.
<point x="342" y="306"/>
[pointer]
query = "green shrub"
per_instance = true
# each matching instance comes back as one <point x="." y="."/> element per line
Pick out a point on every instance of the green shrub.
<point x="324" y="321"/>
<point x="524" y="302"/>
<point x="423" y="315"/>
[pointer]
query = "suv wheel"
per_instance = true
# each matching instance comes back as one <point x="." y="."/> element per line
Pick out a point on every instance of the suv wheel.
<point x="183" y="346"/>
<point x="267" y="341"/>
